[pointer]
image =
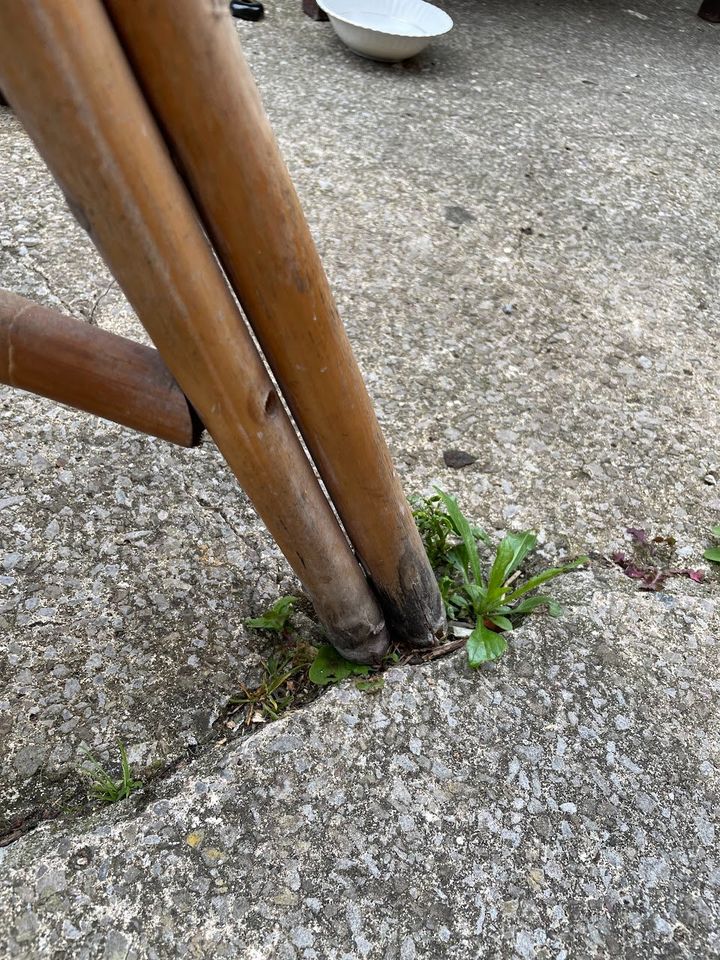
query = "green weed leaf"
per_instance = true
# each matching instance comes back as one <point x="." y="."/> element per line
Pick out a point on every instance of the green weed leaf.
<point x="129" y="783"/>
<point x="478" y="596"/>
<point x="480" y="534"/>
<point x="522" y="544"/>
<point x="532" y="603"/>
<point x="713" y="553"/>
<point x="529" y="604"/>
<point x="464" y="531"/>
<point x="456" y="558"/>
<point x="276" y="618"/>
<point x="331" y="667"/>
<point x="534" y="582"/>
<point x="510" y="554"/>
<point x="501" y="621"/>
<point x="484" y="645"/>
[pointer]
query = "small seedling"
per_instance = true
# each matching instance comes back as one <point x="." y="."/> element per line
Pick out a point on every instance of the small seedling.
<point x="106" y="788"/>
<point x="713" y="553"/>
<point x="493" y="603"/>
<point x="276" y="618"/>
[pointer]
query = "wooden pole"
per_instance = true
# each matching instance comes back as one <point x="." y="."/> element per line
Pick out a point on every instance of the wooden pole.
<point x="94" y="370"/>
<point x="70" y="84"/>
<point x="188" y="60"/>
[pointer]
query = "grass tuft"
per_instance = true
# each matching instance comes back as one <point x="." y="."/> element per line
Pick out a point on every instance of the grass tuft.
<point x="106" y="788"/>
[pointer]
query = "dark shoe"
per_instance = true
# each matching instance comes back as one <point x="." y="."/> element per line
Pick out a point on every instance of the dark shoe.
<point x="247" y="9"/>
<point x="710" y="11"/>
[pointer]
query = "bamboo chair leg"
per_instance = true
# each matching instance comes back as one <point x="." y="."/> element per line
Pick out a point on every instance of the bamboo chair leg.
<point x="93" y="370"/>
<point x="188" y="60"/>
<point x="68" y="79"/>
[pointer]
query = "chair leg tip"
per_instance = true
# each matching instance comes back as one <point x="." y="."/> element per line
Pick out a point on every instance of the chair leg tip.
<point x="367" y="645"/>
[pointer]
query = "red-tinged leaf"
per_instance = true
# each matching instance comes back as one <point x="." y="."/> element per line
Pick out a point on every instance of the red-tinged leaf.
<point x="631" y="568"/>
<point x="653" y="578"/>
<point x="653" y="581"/>
<point x="638" y="534"/>
<point x="697" y="575"/>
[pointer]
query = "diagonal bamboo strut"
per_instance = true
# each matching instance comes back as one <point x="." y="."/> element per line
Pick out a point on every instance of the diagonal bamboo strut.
<point x="69" y="82"/>
<point x="189" y="63"/>
<point x="93" y="370"/>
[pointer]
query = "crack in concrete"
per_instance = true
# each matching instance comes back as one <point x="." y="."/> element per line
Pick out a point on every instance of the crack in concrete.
<point x="50" y="286"/>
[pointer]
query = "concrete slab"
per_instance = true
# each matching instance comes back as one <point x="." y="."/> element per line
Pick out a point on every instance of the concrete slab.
<point x="559" y="804"/>
<point x="521" y="227"/>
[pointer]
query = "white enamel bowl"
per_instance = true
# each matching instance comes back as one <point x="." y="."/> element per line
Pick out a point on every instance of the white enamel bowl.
<point x="387" y="30"/>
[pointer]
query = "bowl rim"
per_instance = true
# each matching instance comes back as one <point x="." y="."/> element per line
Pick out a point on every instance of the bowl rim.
<point x="326" y="6"/>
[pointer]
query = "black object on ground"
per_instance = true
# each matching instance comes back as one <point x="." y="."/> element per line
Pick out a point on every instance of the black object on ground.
<point x="710" y="11"/>
<point x="458" y="459"/>
<point x="247" y="9"/>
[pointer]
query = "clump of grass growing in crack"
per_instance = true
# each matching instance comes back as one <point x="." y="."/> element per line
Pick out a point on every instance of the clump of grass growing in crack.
<point x="491" y="598"/>
<point x="106" y="788"/>
<point x="283" y="683"/>
<point x="294" y="674"/>
<point x="284" y="674"/>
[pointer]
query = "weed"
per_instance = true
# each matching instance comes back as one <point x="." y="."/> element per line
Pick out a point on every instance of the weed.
<point x="331" y="667"/>
<point x="276" y="618"/>
<point x="285" y="674"/>
<point x="495" y="602"/>
<point x="293" y="675"/>
<point x="651" y="563"/>
<point x="284" y="680"/>
<point x="437" y="529"/>
<point x="713" y="553"/>
<point x="293" y="678"/>
<point x="106" y="788"/>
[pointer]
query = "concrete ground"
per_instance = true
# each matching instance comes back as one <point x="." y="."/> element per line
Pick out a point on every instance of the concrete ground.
<point x="521" y="228"/>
